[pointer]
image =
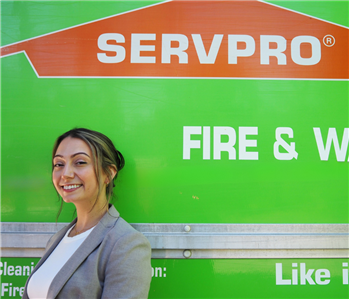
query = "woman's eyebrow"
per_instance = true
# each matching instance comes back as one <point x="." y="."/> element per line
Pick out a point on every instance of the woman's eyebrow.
<point x="72" y="156"/>
<point x="80" y="153"/>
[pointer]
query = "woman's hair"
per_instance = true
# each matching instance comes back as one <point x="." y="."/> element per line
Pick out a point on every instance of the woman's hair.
<point x="104" y="155"/>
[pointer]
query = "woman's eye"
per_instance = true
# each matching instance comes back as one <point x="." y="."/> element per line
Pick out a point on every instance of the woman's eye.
<point x="58" y="165"/>
<point x="81" y="162"/>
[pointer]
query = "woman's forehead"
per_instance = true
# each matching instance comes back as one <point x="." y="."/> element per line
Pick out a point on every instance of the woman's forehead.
<point x="71" y="146"/>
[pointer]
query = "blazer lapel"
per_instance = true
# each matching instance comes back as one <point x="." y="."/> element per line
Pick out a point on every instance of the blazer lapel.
<point x="56" y="241"/>
<point x="92" y="241"/>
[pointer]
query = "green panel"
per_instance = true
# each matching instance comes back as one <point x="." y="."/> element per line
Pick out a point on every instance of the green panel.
<point x="14" y="272"/>
<point x="245" y="279"/>
<point x="336" y="11"/>
<point x="145" y="118"/>
<point x="25" y="19"/>
<point x="225" y="278"/>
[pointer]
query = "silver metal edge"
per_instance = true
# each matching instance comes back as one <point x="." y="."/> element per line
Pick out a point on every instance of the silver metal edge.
<point x="203" y="241"/>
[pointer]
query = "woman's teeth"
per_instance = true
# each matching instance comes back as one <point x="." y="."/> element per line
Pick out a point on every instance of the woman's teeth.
<point x="71" y="187"/>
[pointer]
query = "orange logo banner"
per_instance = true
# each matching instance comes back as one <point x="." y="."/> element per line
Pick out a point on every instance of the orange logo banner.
<point x="194" y="39"/>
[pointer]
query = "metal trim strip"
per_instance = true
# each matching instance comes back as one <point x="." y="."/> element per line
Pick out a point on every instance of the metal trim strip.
<point x="203" y="240"/>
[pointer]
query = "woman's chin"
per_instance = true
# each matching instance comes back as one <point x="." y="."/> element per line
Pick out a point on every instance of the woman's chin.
<point x="69" y="199"/>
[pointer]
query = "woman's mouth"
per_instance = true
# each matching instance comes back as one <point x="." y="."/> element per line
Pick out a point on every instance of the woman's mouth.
<point x="71" y="187"/>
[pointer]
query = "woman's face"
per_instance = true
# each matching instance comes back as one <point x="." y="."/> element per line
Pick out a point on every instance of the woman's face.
<point x="73" y="173"/>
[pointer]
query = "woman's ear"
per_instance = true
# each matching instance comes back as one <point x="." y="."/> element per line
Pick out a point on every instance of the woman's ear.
<point x="113" y="171"/>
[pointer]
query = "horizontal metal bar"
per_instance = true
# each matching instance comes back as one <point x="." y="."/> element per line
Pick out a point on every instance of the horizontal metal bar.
<point x="208" y="254"/>
<point x="248" y="242"/>
<point x="194" y="227"/>
<point x="242" y="228"/>
<point x="172" y="240"/>
<point x="249" y="254"/>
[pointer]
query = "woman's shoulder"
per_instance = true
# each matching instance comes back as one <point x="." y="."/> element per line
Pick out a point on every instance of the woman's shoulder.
<point x="121" y="229"/>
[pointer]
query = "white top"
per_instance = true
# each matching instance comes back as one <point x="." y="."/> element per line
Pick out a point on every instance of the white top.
<point x="41" y="280"/>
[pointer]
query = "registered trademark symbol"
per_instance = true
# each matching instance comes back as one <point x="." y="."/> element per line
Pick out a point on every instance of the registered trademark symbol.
<point x="328" y="40"/>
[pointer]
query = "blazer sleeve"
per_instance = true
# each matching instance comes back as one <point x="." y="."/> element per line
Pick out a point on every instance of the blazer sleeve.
<point x="128" y="271"/>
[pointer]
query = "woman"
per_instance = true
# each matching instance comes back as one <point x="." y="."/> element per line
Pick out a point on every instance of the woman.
<point x="98" y="255"/>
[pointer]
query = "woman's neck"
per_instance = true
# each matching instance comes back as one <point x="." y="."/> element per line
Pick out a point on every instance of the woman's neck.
<point x="89" y="215"/>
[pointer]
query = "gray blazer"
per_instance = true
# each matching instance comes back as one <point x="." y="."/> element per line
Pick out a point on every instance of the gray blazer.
<point x="113" y="262"/>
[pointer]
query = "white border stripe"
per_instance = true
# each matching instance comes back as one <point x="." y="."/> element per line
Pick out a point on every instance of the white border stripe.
<point x="301" y="13"/>
<point x="32" y="65"/>
<point x="168" y="77"/>
<point x="14" y="53"/>
<point x="82" y="24"/>
<point x="164" y="77"/>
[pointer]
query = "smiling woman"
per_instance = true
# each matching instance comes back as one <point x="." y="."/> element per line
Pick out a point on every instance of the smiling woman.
<point x="98" y="255"/>
<point x="75" y="179"/>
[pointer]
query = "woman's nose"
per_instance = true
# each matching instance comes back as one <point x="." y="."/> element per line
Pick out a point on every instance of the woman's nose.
<point x="68" y="172"/>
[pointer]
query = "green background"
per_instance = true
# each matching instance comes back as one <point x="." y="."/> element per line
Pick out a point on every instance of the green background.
<point x="145" y="119"/>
